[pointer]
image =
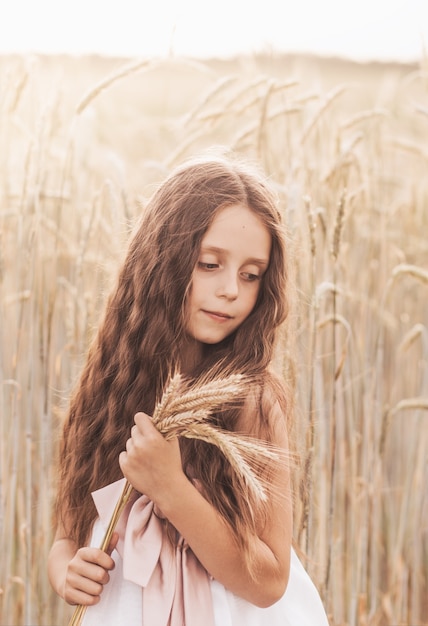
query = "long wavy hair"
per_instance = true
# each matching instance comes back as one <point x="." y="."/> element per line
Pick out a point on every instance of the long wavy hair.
<point x="139" y="338"/>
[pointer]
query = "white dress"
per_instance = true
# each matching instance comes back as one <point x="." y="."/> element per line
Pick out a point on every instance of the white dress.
<point x="122" y="601"/>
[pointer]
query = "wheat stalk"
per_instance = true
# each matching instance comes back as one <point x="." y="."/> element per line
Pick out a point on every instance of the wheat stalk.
<point x="205" y="396"/>
<point x="108" y="81"/>
<point x="79" y="611"/>
<point x="185" y="415"/>
<point x="338" y="227"/>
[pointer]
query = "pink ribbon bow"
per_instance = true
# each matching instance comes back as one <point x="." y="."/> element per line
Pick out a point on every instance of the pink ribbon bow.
<point x="176" y="586"/>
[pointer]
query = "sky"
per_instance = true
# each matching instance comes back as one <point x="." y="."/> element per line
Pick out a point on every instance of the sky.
<point x="363" y="30"/>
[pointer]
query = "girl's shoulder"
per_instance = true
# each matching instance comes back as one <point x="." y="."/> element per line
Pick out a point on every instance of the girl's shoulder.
<point x="275" y="389"/>
<point x="269" y="392"/>
<point x="266" y="407"/>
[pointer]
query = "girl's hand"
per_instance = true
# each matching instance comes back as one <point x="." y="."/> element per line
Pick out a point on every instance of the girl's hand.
<point x="87" y="573"/>
<point x="151" y="463"/>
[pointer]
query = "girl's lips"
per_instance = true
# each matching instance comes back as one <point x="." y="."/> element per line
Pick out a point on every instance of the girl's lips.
<point x="216" y="315"/>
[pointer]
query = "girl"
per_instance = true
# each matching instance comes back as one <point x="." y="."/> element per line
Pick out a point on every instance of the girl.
<point x="203" y="286"/>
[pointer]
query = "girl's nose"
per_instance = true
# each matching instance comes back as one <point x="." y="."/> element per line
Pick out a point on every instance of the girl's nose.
<point x="228" y="286"/>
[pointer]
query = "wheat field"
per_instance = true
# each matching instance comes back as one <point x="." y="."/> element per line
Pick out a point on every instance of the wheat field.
<point x="83" y="142"/>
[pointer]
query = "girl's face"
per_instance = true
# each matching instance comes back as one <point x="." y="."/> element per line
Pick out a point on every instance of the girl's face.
<point x="226" y="280"/>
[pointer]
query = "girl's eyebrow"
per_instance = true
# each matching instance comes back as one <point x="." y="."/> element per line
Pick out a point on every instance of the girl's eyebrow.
<point x="260" y="262"/>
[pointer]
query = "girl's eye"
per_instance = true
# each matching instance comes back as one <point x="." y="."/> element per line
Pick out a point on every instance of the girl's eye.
<point x="207" y="266"/>
<point x="250" y="277"/>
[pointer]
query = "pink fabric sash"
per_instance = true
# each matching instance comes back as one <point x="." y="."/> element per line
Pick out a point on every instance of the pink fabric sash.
<point x="176" y="586"/>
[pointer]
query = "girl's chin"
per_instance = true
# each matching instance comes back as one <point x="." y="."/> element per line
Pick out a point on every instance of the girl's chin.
<point x="209" y="340"/>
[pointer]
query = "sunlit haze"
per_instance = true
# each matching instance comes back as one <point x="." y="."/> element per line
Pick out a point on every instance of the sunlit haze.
<point x="363" y="30"/>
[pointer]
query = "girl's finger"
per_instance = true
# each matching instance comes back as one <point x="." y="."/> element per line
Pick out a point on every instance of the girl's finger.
<point x="143" y="422"/>
<point x="76" y="596"/>
<point x="88" y="585"/>
<point x="96" y="557"/>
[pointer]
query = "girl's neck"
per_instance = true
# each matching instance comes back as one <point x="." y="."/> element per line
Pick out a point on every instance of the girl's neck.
<point x="191" y="354"/>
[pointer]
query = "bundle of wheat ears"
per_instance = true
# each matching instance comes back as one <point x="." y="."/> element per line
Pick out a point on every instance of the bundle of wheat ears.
<point x="185" y="413"/>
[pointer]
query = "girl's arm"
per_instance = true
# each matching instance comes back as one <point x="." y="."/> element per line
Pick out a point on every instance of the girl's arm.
<point x="78" y="575"/>
<point x="153" y="466"/>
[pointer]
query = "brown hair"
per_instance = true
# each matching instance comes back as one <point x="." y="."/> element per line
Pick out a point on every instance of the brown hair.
<point x="138" y="341"/>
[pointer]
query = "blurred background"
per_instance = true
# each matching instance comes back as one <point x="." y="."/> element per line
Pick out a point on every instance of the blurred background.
<point x="98" y="101"/>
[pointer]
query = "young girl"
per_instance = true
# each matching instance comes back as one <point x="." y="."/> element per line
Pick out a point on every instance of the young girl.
<point x="203" y="286"/>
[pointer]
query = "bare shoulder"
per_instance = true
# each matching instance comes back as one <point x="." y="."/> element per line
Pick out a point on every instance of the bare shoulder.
<point x="266" y="409"/>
